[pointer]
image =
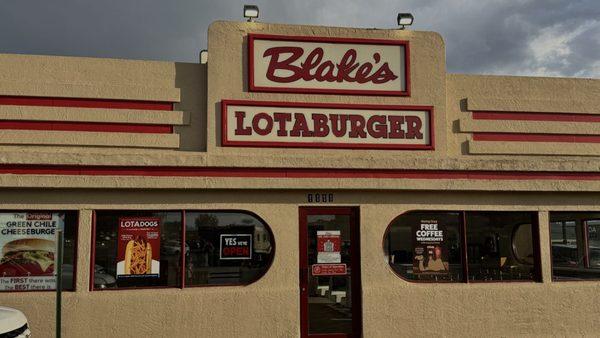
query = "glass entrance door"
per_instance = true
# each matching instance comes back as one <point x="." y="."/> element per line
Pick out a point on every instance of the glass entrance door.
<point x="330" y="272"/>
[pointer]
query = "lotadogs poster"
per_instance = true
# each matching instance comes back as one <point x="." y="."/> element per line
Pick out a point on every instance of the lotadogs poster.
<point x="138" y="249"/>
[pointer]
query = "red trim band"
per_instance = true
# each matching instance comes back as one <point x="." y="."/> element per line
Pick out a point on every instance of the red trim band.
<point x="562" y="117"/>
<point x="510" y="137"/>
<point x="86" y="126"/>
<point x="84" y="103"/>
<point x="73" y="170"/>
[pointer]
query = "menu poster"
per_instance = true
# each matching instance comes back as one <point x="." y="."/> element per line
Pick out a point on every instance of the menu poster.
<point x="28" y="244"/>
<point x="430" y="255"/>
<point x="329" y="246"/>
<point x="138" y="247"/>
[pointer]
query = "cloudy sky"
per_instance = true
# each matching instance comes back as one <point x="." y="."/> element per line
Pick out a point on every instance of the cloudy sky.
<point x="515" y="37"/>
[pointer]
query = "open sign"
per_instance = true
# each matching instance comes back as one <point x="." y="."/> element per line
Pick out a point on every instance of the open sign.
<point x="236" y="246"/>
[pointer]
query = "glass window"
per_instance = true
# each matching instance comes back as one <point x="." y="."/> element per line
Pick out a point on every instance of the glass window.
<point x="575" y="245"/>
<point x="137" y="249"/>
<point x="498" y="246"/>
<point x="226" y="248"/>
<point x="28" y="244"/>
<point x="426" y="246"/>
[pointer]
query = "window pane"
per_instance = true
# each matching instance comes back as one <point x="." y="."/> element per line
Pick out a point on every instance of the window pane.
<point x="500" y="246"/>
<point x="594" y="243"/>
<point x="137" y="249"/>
<point x="572" y="258"/>
<point x="425" y="246"/>
<point x="226" y="248"/>
<point x="28" y="242"/>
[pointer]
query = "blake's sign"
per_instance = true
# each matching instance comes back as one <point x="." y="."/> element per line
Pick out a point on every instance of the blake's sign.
<point x="321" y="125"/>
<point x="328" y="65"/>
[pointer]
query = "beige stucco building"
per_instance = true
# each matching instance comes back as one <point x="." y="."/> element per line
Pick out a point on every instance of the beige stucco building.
<point x="94" y="136"/>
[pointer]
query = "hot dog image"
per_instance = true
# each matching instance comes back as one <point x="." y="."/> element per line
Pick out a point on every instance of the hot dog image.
<point x="139" y="247"/>
<point x="138" y="257"/>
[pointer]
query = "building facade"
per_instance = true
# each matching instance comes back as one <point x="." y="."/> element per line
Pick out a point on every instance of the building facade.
<point x="306" y="180"/>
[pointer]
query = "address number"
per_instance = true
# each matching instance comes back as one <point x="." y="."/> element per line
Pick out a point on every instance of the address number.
<point x="319" y="198"/>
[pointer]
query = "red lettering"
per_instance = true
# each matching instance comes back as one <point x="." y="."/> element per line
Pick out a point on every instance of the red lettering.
<point x="239" y="126"/>
<point x="377" y="127"/>
<point x="256" y="124"/>
<point x="320" y="127"/>
<point x="275" y="64"/>
<point x="357" y="126"/>
<point x="236" y="251"/>
<point x="325" y="71"/>
<point x="346" y="66"/>
<point x="339" y="124"/>
<point x="413" y="127"/>
<point x="314" y="67"/>
<point x="282" y="118"/>
<point x="396" y="123"/>
<point x="300" y="128"/>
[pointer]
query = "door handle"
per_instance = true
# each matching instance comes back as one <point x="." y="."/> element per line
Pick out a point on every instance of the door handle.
<point x="303" y="279"/>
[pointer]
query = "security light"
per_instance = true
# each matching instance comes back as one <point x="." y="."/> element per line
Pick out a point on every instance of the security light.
<point x="203" y="56"/>
<point x="405" y="19"/>
<point x="250" y="12"/>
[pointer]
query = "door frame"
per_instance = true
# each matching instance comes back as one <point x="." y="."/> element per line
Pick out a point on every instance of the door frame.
<point x="354" y="215"/>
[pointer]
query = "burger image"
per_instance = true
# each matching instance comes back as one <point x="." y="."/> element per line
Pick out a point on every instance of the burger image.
<point x="27" y="257"/>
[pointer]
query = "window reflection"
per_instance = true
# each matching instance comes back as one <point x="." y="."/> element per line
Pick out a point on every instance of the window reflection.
<point x="212" y="261"/>
<point x="500" y="246"/>
<point x="106" y="250"/>
<point x="428" y="246"/>
<point x="415" y="257"/>
<point x="575" y="245"/>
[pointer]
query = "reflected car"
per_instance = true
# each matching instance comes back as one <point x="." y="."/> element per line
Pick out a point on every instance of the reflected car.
<point x="102" y="280"/>
<point x="173" y="247"/>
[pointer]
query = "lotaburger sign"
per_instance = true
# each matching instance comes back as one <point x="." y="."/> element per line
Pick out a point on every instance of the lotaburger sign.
<point x="328" y="65"/>
<point x="320" y="125"/>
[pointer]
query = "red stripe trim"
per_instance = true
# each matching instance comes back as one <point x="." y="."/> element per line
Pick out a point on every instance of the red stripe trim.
<point x="84" y="103"/>
<point x="83" y="126"/>
<point x="292" y="173"/>
<point x="536" y="137"/>
<point x="565" y="117"/>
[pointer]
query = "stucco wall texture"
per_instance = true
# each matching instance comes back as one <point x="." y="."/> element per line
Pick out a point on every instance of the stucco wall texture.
<point x="392" y="307"/>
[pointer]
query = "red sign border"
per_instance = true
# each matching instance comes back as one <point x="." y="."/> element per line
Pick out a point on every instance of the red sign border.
<point x="253" y="88"/>
<point x="225" y="142"/>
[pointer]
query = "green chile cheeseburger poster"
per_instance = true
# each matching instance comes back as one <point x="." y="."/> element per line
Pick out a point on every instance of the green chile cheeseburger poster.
<point x="28" y="244"/>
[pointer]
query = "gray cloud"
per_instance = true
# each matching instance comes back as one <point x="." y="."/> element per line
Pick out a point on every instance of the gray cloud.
<point x="518" y="37"/>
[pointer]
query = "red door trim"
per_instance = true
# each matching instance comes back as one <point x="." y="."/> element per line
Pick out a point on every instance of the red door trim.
<point x="353" y="212"/>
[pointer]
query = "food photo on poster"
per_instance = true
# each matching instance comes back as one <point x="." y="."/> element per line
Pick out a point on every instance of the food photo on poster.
<point x="28" y="244"/>
<point x="138" y="247"/>
<point x="430" y="254"/>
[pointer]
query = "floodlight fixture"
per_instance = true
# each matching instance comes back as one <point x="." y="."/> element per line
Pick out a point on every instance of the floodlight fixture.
<point x="405" y="19"/>
<point x="250" y="12"/>
<point x="203" y="56"/>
